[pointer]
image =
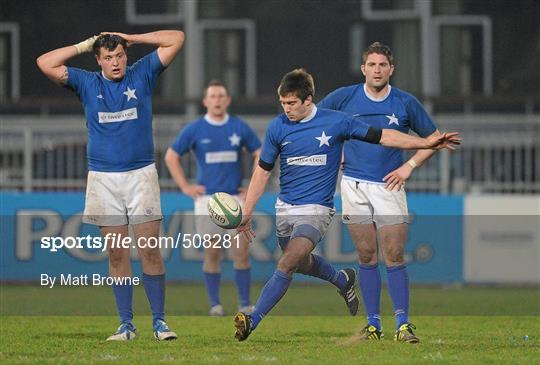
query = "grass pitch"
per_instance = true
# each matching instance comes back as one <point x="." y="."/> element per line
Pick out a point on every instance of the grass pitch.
<point x="456" y="326"/>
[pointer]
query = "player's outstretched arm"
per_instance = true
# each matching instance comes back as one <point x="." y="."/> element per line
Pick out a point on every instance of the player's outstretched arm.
<point x="172" y="160"/>
<point x="52" y="63"/>
<point x="169" y="42"/>
<point x="393" y="138"/>
<point x="256" y="188"/>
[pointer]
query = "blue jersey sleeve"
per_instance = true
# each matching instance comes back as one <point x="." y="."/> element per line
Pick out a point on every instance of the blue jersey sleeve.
<point x="185" y="140"/>
<point x="150" y="66"/>
<point x="270" y="149"/>
<point x="355" y="128"/>
<point x="250" y="140"/>
<point x="420" y="121"/>
<point x="77" y="79"/>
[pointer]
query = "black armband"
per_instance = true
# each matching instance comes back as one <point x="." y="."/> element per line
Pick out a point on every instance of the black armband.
<point x="265" y="165"/>
<point x="373" y="135"/>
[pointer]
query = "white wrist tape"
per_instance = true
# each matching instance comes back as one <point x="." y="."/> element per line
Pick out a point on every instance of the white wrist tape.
<point x="86" y="45"/>
<point x="412" y="163"/>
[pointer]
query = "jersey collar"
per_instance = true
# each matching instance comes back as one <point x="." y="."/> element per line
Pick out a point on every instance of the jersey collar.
<point x="310" y="116"/>
<point x="105" y="77"/>
<point x="377" y="99"/>
<point x="216" y="122"/>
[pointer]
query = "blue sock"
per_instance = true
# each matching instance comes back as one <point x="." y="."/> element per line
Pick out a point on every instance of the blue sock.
<point x="271" y="294"/>
<point x="154" y="286"/>
<point x="398" y="286"/>
<point x="242" y="278"/>
<point x="124" y="301"/>
<point x="369" y="278"/>
<point x="212" y="287"/>
<point x="322" y="269"/>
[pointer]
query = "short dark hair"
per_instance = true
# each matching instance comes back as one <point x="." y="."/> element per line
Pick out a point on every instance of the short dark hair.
<point x="109" y="42"/>
<point x="298" y="82"/>
<point x="378" y="48"/>
<point x="215" y="83"/>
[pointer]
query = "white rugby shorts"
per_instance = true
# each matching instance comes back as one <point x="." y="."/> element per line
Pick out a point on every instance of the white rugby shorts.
<point x="203" y="223"/>
<point x="289" y="217"/>
<point x="120" y="198"/>
<point x="366" y="203"/>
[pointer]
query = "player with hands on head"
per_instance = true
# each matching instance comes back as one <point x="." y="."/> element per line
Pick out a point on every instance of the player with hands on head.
<point x="308" y="141"/>
<point x="217" y="139"/>
<point x="372" y="187"/>
<point x="122" y="187"/>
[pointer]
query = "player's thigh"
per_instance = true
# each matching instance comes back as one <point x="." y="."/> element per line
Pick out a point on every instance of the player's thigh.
<point x="356" y="206"/>
<point x="364" y="237"/>
<point x="147" y="241"/>
<point x="103" y="204"/>
<point x="115" y="238"/>
<point x="239" y="247"/>
<point x="142" y="195"/>
<point x="214" y="252"/>
<point x="147" y="229"/>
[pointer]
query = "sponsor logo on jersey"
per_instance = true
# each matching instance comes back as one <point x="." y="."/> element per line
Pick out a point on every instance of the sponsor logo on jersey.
<point x="315" y="160"/>
<point x="206" y="140"/>
<point x="221" y="156"/>
<point x="121" y="116"/>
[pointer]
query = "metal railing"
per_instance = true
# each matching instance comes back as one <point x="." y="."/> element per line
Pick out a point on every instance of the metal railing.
<point x="500" y="154"/>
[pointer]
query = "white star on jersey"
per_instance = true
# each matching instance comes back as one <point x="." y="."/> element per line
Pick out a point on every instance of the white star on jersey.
<point x="323" y="139"/>
<point x="235" y="139"/>
<point x="392" y="119"/>
<point x="130" y="94"/>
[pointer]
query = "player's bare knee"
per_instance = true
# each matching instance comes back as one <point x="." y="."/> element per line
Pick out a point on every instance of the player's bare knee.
<point x="118" y="257"/>
<point x="367" y="256"/>
<point x="151" y="256"/>
<point x="288" y="264"/>
<point x="212" y="255"/>
<point x="394" y="256"/>
<point x="241" y="260"/>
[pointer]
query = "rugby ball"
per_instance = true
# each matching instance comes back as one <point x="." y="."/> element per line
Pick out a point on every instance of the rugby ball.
<point x="224" y="210"/>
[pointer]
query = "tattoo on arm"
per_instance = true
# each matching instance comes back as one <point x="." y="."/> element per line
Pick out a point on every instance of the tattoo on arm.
<point x="64" y="77"/>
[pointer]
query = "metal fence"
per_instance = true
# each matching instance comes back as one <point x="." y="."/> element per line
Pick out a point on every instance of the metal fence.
<point x="500" y="154"/>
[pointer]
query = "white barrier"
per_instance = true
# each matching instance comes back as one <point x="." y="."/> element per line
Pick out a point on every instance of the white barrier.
<point x="501" y="239"/>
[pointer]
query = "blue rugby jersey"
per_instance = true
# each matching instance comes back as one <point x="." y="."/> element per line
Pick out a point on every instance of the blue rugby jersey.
<point x="399" y="110"/>
<point x="310" y="154"/>
<point x="217" y="150"/>
<point x="118" y="115"/>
